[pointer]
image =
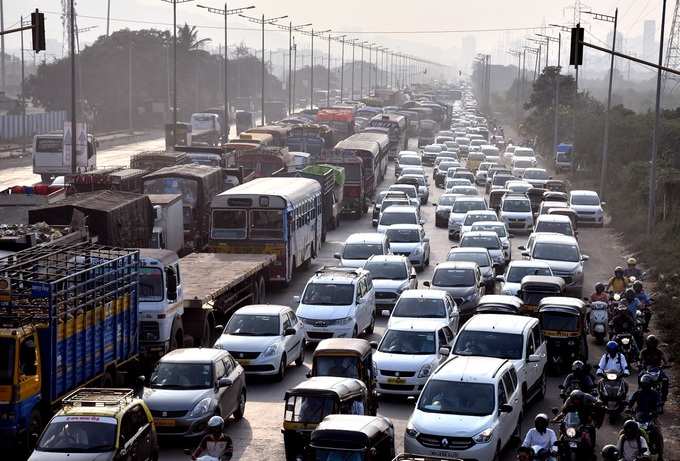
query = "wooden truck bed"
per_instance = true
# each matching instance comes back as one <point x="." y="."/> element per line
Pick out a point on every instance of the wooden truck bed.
<point x="207" y="276"/>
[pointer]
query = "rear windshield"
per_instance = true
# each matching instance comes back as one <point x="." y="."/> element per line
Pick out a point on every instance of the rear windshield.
<point x="408" y="160"/>
<point x="419" y="308"/>
<point x="361" y="250"/>
<point x="585" y="200"/>
<point x="453" y="277"/>
<point x="489" y="344"/>
<point x="517" y="206"/>
<point x="535" y="174"/>
<point x="463" y="206"/>
<point x="556" y="252"/>
<point x="516" y="274"/>
<point x="557" y="227"/>
<point x="482" y="259"/>
<point x="392" y="270"/>
<point x="388" y="219"/>
<point x="490" y="242"/>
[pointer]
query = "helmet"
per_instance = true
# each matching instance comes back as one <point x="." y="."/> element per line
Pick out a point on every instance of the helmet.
<point x="631" y="261"/>
<point x="637" y="286"/>
<point x="599" y="287"/>
<point x="610" y="453"/>
<point x="618" y="270"/>
<point x="577" y="365"/>
<point x="631" y="429"/>
<point x="646" y="381"/>
<point x="612" y="347"/>
<point x="652" y="342"/>
<point x="629" y="294"/>
<point x="577" y="394"/>
<point x="216" y="425"/>
<point x="541" y="422"/>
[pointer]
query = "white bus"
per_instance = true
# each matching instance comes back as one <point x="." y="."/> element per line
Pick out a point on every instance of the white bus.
<point x="277" y="216"/>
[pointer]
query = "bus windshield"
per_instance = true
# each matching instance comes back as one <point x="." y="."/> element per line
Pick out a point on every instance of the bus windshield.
<point x="229" y="224"/>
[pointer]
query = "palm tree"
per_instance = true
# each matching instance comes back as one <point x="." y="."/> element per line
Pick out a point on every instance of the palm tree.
<point x="187" y="39"/>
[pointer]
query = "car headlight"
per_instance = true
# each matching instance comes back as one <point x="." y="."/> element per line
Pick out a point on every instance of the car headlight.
<point x="271" y="350"/>
<point x="571" y="432"/>
<point x="425" y="370"/>
<point x="204" y="407"/>
<point x="411" y="431"/>
<point x="484" y="436"/>
<point x="417" y="250"/>
<point x="340" y="321"/>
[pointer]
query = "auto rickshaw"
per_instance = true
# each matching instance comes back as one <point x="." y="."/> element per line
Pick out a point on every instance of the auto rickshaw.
<point x="535" y="197"/>
<point x="534" y="288"/>
<point x="566" y="212"/>
<point x="308" y="403"/>
<point x="495" y="197"/>
<point x="498" y="304"/>
<point x="563" y="322"/>
<point x="473" y="160"/>
<point x="352" y="438"/>
<point x="347" y="358"/>
<point x="556" y="185"/>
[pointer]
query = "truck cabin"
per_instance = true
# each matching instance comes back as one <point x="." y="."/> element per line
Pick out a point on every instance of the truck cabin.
<point x="263" y="162"/>
<point x="340" y="120"/>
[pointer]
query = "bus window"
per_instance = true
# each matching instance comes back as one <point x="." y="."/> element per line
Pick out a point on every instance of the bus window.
<point x="266" y="224"/>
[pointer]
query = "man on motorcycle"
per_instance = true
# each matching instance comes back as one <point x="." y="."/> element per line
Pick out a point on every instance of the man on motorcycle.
<point x="610" y="453"/>
<point x="653" y="357"/>
<point x="590" y="411"/>
<point x="613" y="360"/>
<point x="632" y="302"/>
<point x="622" y="321"/>
<point x="645" y="402"/>
<point x="579" y="378"/>
<point x="541" y="435"/>
<point x="645" y="301"/>
<point x="599" y="295"/>
<point x="618" y="283"/>
<point x="632" y="270"/>
<point x="632" y="445"/>
<point x="215" y="446"/>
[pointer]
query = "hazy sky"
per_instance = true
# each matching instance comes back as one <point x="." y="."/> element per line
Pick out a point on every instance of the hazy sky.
<point x="354" y="17"/>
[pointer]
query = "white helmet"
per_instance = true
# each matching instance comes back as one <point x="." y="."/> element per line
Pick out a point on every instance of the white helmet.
<point x="216" y="424"/>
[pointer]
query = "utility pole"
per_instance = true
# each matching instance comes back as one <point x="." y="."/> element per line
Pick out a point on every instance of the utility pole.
<point x="291" y="28"/>
<point x="23" y="97"/>
<point x="108" y="16"/>
<point x="370" y="49"/>
<point x="328" y="65"/>
<point x="226" y="13"/>
<point x="556" y="80"/>
<point x="130" y="86"/>
<point x="72" y="44"/>
<point x="294" y="69"/>
<point x="2" y="46"/>
<point x="354" y="42"/>
<point x="361" y="84"/>
<point x="518" y="55"/>
<point x="342" y="69"/>
<point x="311" y="70"/>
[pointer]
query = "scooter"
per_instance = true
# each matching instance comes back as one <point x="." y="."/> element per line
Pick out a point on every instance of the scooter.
<point x="659" y="383"/>
<point x="612" y="392"/>
<point x="599" y="321"/>
<point x="652" y="433"/>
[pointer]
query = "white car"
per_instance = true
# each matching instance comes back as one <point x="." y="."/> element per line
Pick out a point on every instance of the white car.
<point x="337" y="302"/>
<point x="501" y="230"/>
<point x="556" y="223"/>
<point x="391" y="275"/>
<point x="515" y="211"/>
<point x="430" y="153"/>
<point x="471" y="217"/>
<point x="511" y="280"/>
<point x="587" y="205"/>
<point x="506" y="336"/>
<point x="264" y="339"/>
<point x="359" y="247"/>
<point x="470" y="408"/>
<point x="398" y="214"/>
<point x="519" y="164"/>
<point x="564" y="257"/>
<point x="537" y="177"/>
<point x="518" y="186"/>
<point x="410" y="190"/>
<point x="408" y="352"/>
<point x="459" y="209"/>
<point x="424" y="304"/>
<point x="410" y="240"/>
<point x="456" y="182"/>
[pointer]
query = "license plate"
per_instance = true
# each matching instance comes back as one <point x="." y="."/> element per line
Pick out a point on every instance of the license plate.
<point x="164" y="422"/>
<point x="243" y="363"/>
<point x="396" y="380"/>
<point x="445" y="454"/>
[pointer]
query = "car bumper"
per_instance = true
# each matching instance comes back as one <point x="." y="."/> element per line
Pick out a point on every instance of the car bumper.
<point x="261" y="365"/>
<point x="479" y="451"/>
<point x="590" y="218"/>
<point x="385" y="298"/>
<point x="316" y="334"/>
<point x="519" y="225"/>
<point x="188" y="428"/>
<point x="400" y="386"/>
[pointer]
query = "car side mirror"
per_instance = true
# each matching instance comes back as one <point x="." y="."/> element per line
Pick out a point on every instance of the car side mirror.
<point x="522" y="248"/>
<point x="296" y="299"/>
<point x="289" y="332"/>
<point x="337" y="256"/>
<point x="373" y="344"/>
<point x="309" y="374"/>
<point x="427" y="284"/>
<point x="534" y="358"/>
<point x="526" y="254"/>
<point x="224" y="382"/>
<point x="585" y="257"/>
<point x="385" y="313"/>
<point x="445" y="351"/>
<point x="505" y="408"/>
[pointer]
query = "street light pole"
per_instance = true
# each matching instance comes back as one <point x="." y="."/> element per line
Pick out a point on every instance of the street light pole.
<point x="342" y="69"/>
<point x="354" y="41"/>
<point x="311" y="70"/>
<point x="72" y="50"/>
<point x="328" y="89"/>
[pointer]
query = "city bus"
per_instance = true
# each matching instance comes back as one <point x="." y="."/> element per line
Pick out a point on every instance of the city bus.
<point x="396" y="124"/>
<point x="277" y="216"/>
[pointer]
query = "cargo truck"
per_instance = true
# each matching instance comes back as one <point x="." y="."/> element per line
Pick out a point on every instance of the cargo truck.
<point x="68" y="319"/>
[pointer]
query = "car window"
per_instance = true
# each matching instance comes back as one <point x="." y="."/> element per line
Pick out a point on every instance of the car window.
<point x="441" y="336"/>
<point x="502" y="398"/>
<point x="220" y="369"/>
<point x="537" y="335"/>
<point x="509" y="387"/>
<point x="513" y="377"/>
<point x="530" y="347"/>
<point x="293" y="318"/>
<point x="286" y="323"/>
<point x="449" y="335"/>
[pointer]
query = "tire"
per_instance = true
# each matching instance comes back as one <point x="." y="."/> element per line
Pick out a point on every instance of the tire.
<point x="301" y="358"/>
<point x="497" y="454"/>
<point x="282" y="369"/>
<point x="241" y="409"/>
<point x="516" y="437"/>
<point x="262" y="290"/>
<point x="177" y="336"/>
<point x="371" y="327"/>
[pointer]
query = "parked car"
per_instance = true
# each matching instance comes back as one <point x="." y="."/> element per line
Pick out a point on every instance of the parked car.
<point x="337" y="302"/>
<point x="428" y="304"/>
<point x="391" y="275"/>
<point x="458" y="211"/>
<point x="483" y="260"/>
<point x="511" y="280"/>
<point x="564" y="257"/>
<point x="410" y="241"/>
<point x="515" y="211"/>
<point x="191" y="385"/>
<point x="462" y="280"/>
<point x="359" y="247"/>
<point x="587" y="205"/>
<point x="264" y="339"/>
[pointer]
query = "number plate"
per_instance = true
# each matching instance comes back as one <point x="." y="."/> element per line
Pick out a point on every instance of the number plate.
<point x="445" y="454"/>
<point x="164" y="422"/>
<point x="396" y="380"/>
<point x="243" y="363"/>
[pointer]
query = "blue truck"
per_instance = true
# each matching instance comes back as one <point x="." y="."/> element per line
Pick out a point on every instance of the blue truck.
<point x="68" y="319"/>
<point x="564" y="157"/>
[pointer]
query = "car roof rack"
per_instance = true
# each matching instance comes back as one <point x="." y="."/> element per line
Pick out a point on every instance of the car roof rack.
<point x="325" y="270"/>
<point x="91" y="397"/>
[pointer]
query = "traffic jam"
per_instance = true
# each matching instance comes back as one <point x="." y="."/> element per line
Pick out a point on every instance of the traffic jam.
<point x="391" y="279"/>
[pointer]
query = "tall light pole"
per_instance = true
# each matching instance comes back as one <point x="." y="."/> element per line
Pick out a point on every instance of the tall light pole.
<point x="263" y="21"/>
<point x="292" y="28"/>
<point x="342" y="68"/>
<point x="311" y="69"/>
<point x="226" y="13"/>
<point x="354" y="42"/>
<point x="361" y="71"/>
<point x="328" y="70"/>
<point x="370" y="63"/>
<point x="556" y="82"/>
<point x="605" y="142"/>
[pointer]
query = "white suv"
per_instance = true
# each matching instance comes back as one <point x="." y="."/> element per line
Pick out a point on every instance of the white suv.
<point x="516" y="213"/>
<point x="470" y="408"/>
<point x="515" y="337"/>
<point x="338" y="302"/>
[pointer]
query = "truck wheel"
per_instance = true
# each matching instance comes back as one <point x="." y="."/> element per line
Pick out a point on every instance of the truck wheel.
<point x="177" y="336"/>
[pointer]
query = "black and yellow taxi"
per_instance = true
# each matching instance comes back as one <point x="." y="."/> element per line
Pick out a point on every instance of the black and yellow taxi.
<point x="99" y="425"/>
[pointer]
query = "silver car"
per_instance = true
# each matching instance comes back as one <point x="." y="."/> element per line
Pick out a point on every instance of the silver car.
<point x="189" y="386"/>
<point x="462" y="280"/>
<point x="391" y="275"/>
<point x="481" y="257"/>
<point x="410" y="240"/>
<point x="488" y="240"/>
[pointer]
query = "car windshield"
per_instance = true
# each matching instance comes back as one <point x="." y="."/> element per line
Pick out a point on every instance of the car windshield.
<point x="340" y="366"/>
<point x="399" y="217"/>
<point x="447" y="200"/>
<point x="482" y="259"/>
<point x="449" y="277"/>
<point x="535" y="174"/>
<point x="392" y="270"/>
<point x="470" y="219"/>
<point x="489" y="344"/>
<point x="403" y="235"/>
<point x="592" y="200"/>
<point x="517" y="206"/>
<point x="464" y="190"/>
<point x="329" y="294"/>
<point x="361" y="250"/>
<point x="559" y="322"/>
<point x="457" y="398"/>
<point x="556" y="227"/>
<point x="419" y="308"/>
<point x="253" y="325"/>
<point x="79" y="434"/>
<point x="409" y="160"/>
<point x="463" y="206"/>
<point x="499" y="230"/>
<point x="556" y="252"/>
<point x="408" y="342"/>
<point x="7" y="347"/>
<point x="173" y="375"/>
<point x="483" y="241"/>
<point x="410" y="191"/>
<point x="516" y="274"/>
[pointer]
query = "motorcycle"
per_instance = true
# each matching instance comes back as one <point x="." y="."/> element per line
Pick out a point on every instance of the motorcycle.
<point x="628" y="347"/>
<point x="224" y="457"/>
<point x="574" y="442"/>
<point x="543" y="454"/>
<point x="613" y="391"/>
<point x="599" y="321"/>
<point x="639" y="329"/>
<point x="659" y="383"/>
<point x="652" y="433"/>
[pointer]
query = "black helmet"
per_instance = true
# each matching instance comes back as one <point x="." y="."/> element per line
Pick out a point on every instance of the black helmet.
<point x="577" y="395"/>
<point x="610" y="453"/>
<point x="652" y="342"/>
<point x="646" y="382"/>
<point x="541" y="422"/>
<point x="618" y="271"/>
<point x="577" y="366"/>
<point x="629" y="294"/>
<point x="631" y="429"/>
<point x="637" y="286"/>
<point x="216" y="425"/>
<point x="599" y="287"/>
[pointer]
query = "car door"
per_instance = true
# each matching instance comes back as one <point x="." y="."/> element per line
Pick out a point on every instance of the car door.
<point x="222" y="394"/>
<point x="540" y="349"/>
<point x="299" y="332"/>
<point x="290" y="342"/>
<point x="144" y="434"/>
<point x="128" y="443"/>
<point x="370" y="299"/>
<point x="508" y="420"/>
<point x="526" y="371"/>
<point x="452" y="314"/>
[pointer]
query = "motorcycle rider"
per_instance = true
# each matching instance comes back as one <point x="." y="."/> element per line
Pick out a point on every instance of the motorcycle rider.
<point x="622" y="321"/>
<point x="645" y="301"/>
<point x="579" y="377"/>
<point x="632" y="270"/>
<point x="589" y="409"/>
<point x="632" y="302"/>
<point x="610" y="453"/>
<point x="599" y="295"/>
<point x="645" y="402"/>
<point x="612" y="359"/>
<point x="541" y="435"/>
<point x="653" y="357"/>
<point x="617" y="283"/>
<point x="632" y="445"/>
<point x="215" y="443"/>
